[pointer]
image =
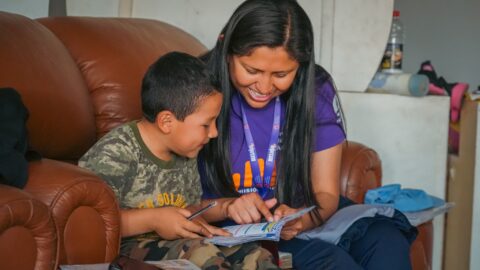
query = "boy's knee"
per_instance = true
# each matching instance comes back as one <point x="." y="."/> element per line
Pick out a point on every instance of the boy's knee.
<point x="199" y="247"/>
<point x="249" y="256"/>
<point x="204" y="254"/>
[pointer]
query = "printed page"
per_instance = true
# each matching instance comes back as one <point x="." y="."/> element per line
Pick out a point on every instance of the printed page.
<point x="257" y="231"/>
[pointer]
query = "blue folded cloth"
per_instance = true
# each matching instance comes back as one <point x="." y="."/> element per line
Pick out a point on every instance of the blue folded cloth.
<point x="405" y="200"/>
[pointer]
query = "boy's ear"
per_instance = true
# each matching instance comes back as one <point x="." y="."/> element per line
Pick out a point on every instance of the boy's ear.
<point x="165" y="121"/>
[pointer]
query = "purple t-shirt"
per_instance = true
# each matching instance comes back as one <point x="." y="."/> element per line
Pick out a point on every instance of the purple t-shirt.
<point x="329" y="132"/>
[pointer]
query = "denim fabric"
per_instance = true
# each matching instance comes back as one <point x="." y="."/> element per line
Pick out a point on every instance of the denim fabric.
<point x="378" y="242"/>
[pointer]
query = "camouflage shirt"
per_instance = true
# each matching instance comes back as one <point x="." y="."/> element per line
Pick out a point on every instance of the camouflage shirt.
<point x="138" y="178"/>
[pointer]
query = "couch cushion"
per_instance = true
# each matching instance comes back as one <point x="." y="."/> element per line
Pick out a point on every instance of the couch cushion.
<point x="40" y="68"/>
<point x="113" y="55"/>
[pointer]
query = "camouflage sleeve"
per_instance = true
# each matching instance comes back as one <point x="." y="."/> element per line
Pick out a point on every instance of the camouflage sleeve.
<point x="195" y="194"/>
<point x="113" y="160"/>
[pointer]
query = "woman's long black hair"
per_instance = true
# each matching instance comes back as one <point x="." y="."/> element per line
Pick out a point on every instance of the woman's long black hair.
<point x="271" y="23"/>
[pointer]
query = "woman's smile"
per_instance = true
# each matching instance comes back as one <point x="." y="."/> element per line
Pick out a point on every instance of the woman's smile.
<point x="257" y="96"/>
<point x="263" y="74"/>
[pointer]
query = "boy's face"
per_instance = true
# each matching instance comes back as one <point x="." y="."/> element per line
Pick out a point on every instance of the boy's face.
<point x="190" y="135"/>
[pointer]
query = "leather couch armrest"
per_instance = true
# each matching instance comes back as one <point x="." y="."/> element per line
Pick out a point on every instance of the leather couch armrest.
<point x="422" y="247"/>
<point x="27" y="232"/>
<point x="84" y="210"/>
<point x="361" y="170"/>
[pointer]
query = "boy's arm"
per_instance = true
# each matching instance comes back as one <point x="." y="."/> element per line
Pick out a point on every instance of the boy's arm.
<point x="168" y="222"/>
<point x="135" y="221"/>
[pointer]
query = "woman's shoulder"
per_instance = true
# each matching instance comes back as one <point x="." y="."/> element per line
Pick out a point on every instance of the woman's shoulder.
<point x="321" y="75"/>
<point x="324" y="86"/>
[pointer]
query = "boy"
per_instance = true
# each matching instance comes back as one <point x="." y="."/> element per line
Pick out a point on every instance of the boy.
<point x="151" y="166"/>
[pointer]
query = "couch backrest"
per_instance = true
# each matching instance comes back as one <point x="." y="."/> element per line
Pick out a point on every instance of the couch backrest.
<point x="80" y="76"/>
<point x="113" y="54"/>
<point x="35" y="62"/>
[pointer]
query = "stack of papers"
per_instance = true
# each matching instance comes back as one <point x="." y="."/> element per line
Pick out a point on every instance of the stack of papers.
<point x="179" y="264"/>
<point x="257" y="231"/>
<point x="99" y="266"/>
<point x="419" y="217"/>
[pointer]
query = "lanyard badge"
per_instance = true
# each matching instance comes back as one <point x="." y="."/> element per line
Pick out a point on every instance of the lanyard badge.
<point x="263" y="185"/>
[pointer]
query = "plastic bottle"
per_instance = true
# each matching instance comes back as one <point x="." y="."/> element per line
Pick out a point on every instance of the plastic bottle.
<point x="406" y="84"/>
<point x="393" y="56"/>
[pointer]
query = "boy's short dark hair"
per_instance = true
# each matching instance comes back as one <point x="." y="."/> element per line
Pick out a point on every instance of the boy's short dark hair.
<point x="176" y="82"/>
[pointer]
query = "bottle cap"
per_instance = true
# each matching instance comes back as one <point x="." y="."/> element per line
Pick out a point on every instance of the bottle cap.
<point x="396" y="13"/>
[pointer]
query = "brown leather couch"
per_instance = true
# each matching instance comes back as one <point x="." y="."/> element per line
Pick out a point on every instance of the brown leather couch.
<point x="79" y="77"/>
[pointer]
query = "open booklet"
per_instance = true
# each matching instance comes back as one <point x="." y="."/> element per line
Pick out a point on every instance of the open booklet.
<point x="256" y="231"/>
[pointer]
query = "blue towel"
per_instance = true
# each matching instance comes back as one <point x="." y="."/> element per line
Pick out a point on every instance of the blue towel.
<point x="405" y="200"/>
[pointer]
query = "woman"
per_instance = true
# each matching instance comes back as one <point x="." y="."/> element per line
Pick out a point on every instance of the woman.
<point x="280" y="135"/>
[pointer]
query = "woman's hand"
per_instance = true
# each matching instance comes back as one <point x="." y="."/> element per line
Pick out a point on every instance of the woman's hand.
<point x="291" y="228"/>
<point x="172" y="223"/>
<point x="249" y="208"/>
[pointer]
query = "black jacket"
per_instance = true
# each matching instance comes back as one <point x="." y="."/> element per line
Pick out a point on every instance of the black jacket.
<point x="13" y="139"/>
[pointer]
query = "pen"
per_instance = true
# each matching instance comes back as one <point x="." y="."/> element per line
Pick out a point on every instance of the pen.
<point x="199" y="212"/>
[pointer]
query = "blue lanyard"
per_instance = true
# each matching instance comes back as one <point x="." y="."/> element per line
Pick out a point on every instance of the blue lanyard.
<point x="263" y="186"/>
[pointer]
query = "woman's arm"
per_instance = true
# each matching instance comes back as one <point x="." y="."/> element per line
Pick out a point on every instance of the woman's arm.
<point x="326" y="189"/>
<point x="326" y="179"/>
<point x="248" y="208"/>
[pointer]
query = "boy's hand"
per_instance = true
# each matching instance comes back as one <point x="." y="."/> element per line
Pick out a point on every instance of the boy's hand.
<point x="293" y="227"/>
<point x="172" y="223"/>
<point x="214" y="231"/>
<point x="250" y="208"/>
